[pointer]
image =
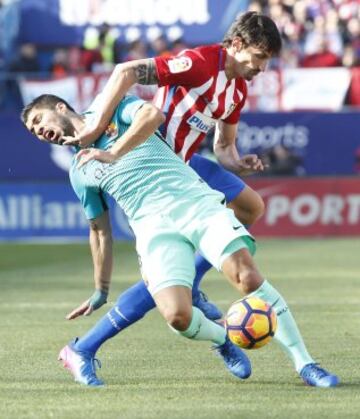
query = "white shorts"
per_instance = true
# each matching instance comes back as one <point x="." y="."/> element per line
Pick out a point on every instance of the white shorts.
<point x="166" y="243"/>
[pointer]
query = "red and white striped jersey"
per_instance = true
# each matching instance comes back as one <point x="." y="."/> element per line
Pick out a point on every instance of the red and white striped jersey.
<point x="195" y="94"/>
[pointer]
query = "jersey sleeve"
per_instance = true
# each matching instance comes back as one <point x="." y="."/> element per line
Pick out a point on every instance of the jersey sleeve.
<point x="234" y="117"/>
<point x="189" y="68"/>
<point x="127" y="108"/>
<point x="91" y="198"/>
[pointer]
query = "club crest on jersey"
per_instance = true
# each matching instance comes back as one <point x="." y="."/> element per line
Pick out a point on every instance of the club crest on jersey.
<point x="230" y="110"/>
<point x="112" y="131"/>
<point x="179" y="64"/>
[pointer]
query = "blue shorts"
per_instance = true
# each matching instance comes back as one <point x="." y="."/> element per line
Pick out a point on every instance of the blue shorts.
<point x="217" y="177"/>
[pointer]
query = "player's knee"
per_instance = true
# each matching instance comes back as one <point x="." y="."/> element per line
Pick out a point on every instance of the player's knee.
<point x="259" y="209"/>
<point x="178" y="319"/>
<point x="256" y="210"/>
<point x="249" y="211"/>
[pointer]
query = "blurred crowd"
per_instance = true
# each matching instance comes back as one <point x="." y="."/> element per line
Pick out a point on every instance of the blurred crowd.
<point x="101" y="49"/>
<point x="316" y="33"/>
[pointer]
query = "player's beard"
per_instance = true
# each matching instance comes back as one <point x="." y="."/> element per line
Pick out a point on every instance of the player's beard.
<point x="66" y="126"/>
<point x="245" y="71"/>
<point x="250" y="74"/>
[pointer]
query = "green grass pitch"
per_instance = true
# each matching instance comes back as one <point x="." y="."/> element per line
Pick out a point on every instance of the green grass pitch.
<point x="150" y="372"/>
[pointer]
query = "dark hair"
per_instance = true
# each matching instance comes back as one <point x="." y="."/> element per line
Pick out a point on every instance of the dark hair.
<point x="255" y="29"/>
<point x="43" y="101"/>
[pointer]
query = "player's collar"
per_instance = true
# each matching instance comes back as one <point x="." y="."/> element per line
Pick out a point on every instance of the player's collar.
<point x="222" y="58"/>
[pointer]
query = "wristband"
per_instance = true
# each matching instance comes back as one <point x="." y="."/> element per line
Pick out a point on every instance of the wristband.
<point x="98" y="299"/>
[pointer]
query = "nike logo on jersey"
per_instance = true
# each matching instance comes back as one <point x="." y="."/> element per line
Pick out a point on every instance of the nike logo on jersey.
<point x="237" y="228"/>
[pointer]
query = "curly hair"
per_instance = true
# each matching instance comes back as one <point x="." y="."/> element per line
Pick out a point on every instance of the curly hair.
<point x="255" y="29"/>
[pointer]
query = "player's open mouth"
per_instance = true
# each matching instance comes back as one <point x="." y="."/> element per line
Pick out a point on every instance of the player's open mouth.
<point x="52" y="136"/>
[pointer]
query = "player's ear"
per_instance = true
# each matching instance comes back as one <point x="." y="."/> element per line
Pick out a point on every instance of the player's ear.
<point x="237" y="44"/>
<point x="60" y="107"/>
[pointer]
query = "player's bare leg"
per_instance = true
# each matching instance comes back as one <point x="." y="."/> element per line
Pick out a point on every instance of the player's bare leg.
<point x="248" y="206"/>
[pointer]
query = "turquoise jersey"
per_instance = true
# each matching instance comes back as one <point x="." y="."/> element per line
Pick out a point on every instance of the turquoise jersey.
<point x="150" y="179"/>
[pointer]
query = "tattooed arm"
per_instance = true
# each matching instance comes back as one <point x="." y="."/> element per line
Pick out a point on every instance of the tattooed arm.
<point x="122" y="78"/>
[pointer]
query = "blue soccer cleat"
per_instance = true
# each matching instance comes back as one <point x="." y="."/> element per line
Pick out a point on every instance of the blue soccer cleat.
<point x="315" y="376"/>
<point x="81" y="366"/>
<point x="235" y="359"/>
<point x="210" y="310"/>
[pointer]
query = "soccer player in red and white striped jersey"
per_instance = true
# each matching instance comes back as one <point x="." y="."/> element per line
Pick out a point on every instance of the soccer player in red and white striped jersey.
<point x="195" y="94"/>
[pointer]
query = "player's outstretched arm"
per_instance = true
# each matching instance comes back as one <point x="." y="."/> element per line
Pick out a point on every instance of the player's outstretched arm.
<point x="146" y="121"/>
<point x="227" y="153"/>
<point x="123" y="77"/>
<point x="101" y="250"/>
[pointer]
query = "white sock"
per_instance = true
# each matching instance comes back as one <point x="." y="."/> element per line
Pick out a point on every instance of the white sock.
<point x="287" y="333"/>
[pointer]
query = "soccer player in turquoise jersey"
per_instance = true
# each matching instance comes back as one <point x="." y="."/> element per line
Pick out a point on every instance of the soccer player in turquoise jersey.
<point x="172" y="212"/>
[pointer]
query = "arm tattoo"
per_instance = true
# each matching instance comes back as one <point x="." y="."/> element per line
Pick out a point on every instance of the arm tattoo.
<point x="146" y="72"/>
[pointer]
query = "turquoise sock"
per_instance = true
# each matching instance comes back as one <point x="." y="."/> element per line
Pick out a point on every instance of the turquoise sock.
<point x="287" y="333"/>
<point x="201" y="328"/>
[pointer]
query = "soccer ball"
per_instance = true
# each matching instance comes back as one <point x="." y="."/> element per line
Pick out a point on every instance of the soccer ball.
<point x="250" y="323"/>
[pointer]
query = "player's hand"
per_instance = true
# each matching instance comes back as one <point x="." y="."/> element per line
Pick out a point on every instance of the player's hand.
<point x="83" y="156"/>
<point x="84" y="138"/>
<point x="98" y="299"/>
<point x="249" y="164"/>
